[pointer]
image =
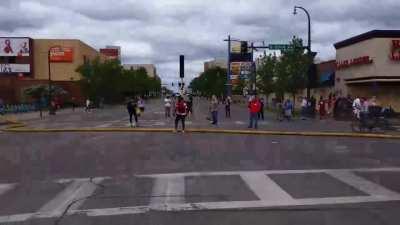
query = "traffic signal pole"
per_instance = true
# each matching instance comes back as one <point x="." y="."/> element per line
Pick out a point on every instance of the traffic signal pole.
<point x="228" y="73"/>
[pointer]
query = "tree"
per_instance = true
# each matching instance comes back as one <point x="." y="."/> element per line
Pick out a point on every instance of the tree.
<point x="266" y="74"/>
<point x="210" y="82"/>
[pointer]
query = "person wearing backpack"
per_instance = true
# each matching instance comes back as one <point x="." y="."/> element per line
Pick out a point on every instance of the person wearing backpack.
<point x="132" y="107"/>
<point x="180" y="112"/>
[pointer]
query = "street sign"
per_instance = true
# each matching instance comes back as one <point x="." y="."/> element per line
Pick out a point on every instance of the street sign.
<point x="279" y="46"/>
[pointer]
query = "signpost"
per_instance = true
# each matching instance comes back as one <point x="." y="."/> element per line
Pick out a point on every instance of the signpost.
<point x="280" y="46"/>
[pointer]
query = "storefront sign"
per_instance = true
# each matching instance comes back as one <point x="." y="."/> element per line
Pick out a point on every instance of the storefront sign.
<point x="395" y="54"/>
<point x="61" y="54"/>
<point x="353" y="62"/>
<point x="14" y="68"/>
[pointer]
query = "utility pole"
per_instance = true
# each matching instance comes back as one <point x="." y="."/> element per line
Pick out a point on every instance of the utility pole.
<point x="228" y="71"/>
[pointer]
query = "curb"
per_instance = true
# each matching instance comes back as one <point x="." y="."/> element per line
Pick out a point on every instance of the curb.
<point x="20" y="128"/>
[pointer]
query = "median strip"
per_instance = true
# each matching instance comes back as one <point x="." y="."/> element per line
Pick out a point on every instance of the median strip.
<point x="19" y="127"/>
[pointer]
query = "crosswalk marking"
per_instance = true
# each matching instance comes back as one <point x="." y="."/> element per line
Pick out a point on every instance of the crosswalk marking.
<point x="76" y="190"/>
<point x="6" y="187"/>
<point x="362" y="184"/>
<point x="265" y="188"/>
<point x="168" y="190"/>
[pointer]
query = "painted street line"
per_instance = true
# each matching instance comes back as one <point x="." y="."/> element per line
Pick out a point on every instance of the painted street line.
<point x="362" y="184"/>
<point x="76" y="190"/>
<point x="6" y="187"/>
<point x="265" y="188"/>
<point x="168" y="190"/>
<point x="393" y="169"/>
<point x="240" y="122"/>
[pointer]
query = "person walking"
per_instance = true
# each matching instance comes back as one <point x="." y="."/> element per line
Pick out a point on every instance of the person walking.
<point x="304" y="105"/>
<point x="87" y="106"/>
<point x="254" y="109"/>
<point x="214" y="110"/>
<point x="180" y="112"/>
<point x="261" y="112"/>
<point x="288" y="109"/>
<point x="228" y="101"/>
<point x="167" y="105"/>
<point x="141" y="105"/>
<point x="131" y="107"/>
<point x="190" y="105"/>
<point x="321" y="108"/>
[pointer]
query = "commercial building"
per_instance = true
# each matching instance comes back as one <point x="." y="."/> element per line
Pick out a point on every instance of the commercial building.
<point x="369" y="65"/>
<point x="25" y="62"/>
<point x="222" y="63"/>
<point x="150" y="68"/>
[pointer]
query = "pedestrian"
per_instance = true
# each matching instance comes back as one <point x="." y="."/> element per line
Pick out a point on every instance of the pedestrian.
<point x="131" y="107"/>
<point x="321" y="108"/>
<point x="214" y="110"/>
<point x="261" y="112"/>
<point x="228" y="102"/>
<point x="167" y="105"/>
<point x="87" y="105"/>
<point x="279" y="110"/>
<point x="180" y="112"/>
<point x="141" y="105"/>
<point x="304" y="105"/>
<point x="288" y="109"/>
<point x="313" y="105"/>
<point x="254" y="109"/>
<point x="73" y="103"/>
<point x="173" y="103"/>
<point x="357" y="107"/>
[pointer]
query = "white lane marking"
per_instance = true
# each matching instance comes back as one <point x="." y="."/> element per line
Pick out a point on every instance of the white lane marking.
<point x="67" y="180"/>
<point x="362" y="184"/>
<point x="76" y="190"/>
<point x="6" y="187"/>
<point x="104" y="125"/>
<point x="265" y="188"/>
<point x="167" y="190"/>
<point x="112" y="211"/>
<point x="218" y="173"/>
<point x="15" y="218"/>
<point x="240" y="122"/>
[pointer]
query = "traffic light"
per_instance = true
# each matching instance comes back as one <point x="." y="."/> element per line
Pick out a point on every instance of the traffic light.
<point x="243" y="47"/>
<point x="181" y="66"/>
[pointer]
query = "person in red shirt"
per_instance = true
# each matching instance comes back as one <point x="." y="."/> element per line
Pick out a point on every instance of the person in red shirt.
<point x="254" y="109"/>
<point x="180" y="112"/>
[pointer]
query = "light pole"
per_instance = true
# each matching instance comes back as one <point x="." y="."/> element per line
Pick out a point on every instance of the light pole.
<point x="308" y="44"/>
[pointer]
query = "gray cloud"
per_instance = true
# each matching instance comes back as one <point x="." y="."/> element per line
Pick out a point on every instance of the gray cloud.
<point x="157" y="31"/>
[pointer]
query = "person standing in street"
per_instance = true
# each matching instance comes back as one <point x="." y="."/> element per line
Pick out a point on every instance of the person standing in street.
<point x="87" y="106"/>
<point x="304" y="105"/>
<point x="180" y="112"/>
<point x="141" y="105"/>
<point x="131" y="107"/>
<point x="254" y="109"/>
<point x="288" y="109"/>
<point x="190" y="106"/>
<point x="228" y="102"/>
<point x="321" y="108"/>
<point x="214" y="110"/>
<point x="261" y="112"/>
<point x="167" y="105"/>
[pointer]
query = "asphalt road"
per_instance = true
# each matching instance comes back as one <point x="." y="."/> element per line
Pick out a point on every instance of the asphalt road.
<point x="167" y="178"/>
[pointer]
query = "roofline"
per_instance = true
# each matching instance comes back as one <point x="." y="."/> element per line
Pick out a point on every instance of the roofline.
<point x="366" y="36"/>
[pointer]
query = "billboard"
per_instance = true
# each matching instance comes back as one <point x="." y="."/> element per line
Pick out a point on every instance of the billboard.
<point x="110" y="53"/>
<point x="15" y="68"/>
<point x="14" y="46"/>
<point x="61" y="54"/>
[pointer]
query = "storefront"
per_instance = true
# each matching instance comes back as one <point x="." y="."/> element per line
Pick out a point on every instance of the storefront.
<point x="369" y="65"/>
<point x="24" y="62"/>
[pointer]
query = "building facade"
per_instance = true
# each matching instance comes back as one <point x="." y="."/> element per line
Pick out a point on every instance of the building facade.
<point x="29" y="65"/>
<point x="150" y="68"/>
<point x="222" y="63"/>
<point x="369" y="65"/>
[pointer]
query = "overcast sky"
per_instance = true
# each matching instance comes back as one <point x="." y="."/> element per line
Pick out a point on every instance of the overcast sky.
<point x="158" y="31"/>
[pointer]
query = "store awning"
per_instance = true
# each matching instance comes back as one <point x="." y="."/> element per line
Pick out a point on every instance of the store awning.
<point x="385" y="79"/>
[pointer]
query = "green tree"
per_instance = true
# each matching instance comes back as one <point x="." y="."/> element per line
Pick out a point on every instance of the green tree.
<point x="210" y="82"/>
<point x="266" y="74"/>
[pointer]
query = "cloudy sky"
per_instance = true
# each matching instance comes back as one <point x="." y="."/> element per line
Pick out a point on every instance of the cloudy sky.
<point x="157" y="31"/>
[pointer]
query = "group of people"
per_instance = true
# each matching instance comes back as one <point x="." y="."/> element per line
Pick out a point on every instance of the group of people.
<point x="362" y="105"/>
<point x="324" y="106"/>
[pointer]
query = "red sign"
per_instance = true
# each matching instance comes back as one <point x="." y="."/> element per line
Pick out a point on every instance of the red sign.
<point x="61" y="54"/>
<point x="111" y="53"/>
<point x="395" y="54"/>
<point x="353" y="62"/>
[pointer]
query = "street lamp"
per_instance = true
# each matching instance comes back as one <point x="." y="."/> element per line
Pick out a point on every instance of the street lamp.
<point x="310" y="54"/>
<point x="309" y="25"/>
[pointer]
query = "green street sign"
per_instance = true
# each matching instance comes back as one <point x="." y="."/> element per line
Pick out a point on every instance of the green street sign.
<point x="279" y="46"/>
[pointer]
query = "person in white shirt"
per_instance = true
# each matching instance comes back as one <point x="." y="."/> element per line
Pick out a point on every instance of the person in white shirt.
<point x="87" y="108"/>
<point x="167" y="104"/>
<point x="357" y="107"/>
<point x="304" y="105"/>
